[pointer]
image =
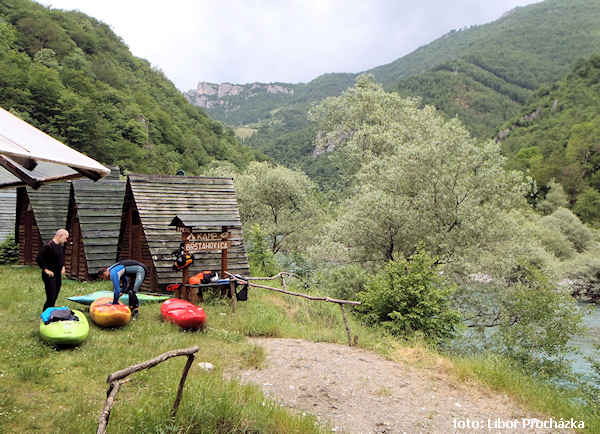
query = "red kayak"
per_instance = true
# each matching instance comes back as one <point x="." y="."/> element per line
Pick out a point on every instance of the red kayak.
<point x="183" y="313"/>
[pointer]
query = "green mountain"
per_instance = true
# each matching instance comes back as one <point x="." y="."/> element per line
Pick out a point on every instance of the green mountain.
<point x="69" y="75"/>
<point x="557" y="132"/>
<point x="483" y="75"/>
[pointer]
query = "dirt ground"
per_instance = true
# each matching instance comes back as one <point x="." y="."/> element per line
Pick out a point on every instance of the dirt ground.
<point x="359" y="391"/>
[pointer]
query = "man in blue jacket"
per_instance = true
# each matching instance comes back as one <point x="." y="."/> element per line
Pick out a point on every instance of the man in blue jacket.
<point x="127" y="277"/>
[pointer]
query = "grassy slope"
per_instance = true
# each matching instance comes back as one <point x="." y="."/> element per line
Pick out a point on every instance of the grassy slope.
<point x="48" y="390"/>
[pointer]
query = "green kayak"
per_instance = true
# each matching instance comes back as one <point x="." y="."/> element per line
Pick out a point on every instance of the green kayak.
<point x="66" y="332"/>
<point x="142" y="297"/>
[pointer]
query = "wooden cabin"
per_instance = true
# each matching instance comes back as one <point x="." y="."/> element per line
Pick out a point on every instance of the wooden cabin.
<point x="94" y="223"/>
<point x="151" y="204"/>
<point x="40" y="213"/>
<point x="8" y="199"/>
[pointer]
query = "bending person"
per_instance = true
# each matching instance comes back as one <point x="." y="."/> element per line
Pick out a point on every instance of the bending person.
<point x="127" y="277"/>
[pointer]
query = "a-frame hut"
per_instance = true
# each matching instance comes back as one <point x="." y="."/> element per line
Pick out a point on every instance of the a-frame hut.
<point x="40" y="213"/>
<point x="94" y="223"/>
<point x="151" y="204"/>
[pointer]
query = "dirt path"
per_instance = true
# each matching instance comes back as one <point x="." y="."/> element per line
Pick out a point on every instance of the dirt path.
<point x="359" y="391"/>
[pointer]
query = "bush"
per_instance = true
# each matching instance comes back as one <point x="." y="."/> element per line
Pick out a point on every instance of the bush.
<point x="261" y="258"/>
<point x="565" y="221"/>
<point x="410" y="297"/>
<point x="343" y="282"/>
<point x="9" y="250"/>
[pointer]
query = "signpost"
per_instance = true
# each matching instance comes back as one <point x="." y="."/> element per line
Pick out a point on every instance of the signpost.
<point x="199" y="242"/>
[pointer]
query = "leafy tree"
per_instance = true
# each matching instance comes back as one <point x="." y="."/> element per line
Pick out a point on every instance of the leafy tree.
<point x="417" y="178"/>
<point x="564" y="221"/>
<point x="282" y="201"/>
<point x="587" y="206"/>
<point x="261" y="258"/>
<point x="410" y="297"/>
<point x="555" y="198"/>
<point x="529" y="321"/>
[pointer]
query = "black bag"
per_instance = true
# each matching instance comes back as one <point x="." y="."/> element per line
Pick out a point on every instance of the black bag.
<point x="243" y="294"/>
<point x="62" y="315"/>
<point x="208" y="276"/>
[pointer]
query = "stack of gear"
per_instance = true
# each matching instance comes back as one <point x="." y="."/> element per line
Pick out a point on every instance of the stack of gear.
<point x="204" y="277"/>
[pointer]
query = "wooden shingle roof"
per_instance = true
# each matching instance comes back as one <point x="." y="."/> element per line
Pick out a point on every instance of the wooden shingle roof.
<point x="99" y="208"/>
<point x="50" y="205"/>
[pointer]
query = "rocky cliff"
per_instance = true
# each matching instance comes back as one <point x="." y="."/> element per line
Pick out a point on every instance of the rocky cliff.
<point x="211" y="95"/>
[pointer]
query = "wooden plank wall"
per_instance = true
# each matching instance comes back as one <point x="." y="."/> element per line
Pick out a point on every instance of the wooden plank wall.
<point x="8" y="199"/>
<point x="75" y="264"/>
<point x="95" y="213"/>
<point x="27" y="234"/>
<point x="133" y="243"/>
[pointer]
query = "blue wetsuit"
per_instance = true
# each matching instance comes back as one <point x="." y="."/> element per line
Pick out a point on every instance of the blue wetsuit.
<point x="127" y="277"/>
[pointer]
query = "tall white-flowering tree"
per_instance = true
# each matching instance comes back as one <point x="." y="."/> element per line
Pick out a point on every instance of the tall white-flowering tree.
<point x="282" y="201"/>
<point x="418" y="178"/>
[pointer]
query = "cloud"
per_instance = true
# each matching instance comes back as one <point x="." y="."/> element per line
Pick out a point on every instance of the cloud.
<point x="288" y="41"/>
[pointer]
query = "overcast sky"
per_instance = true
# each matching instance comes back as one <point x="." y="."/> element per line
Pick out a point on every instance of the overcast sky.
<point x="291" y="41"/>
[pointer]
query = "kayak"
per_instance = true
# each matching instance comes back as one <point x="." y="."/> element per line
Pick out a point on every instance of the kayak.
<point x="66" y="332"/>
<point x="106" y="314"/>
<point x="183" y="313"/>
<point x="87" y="299"/>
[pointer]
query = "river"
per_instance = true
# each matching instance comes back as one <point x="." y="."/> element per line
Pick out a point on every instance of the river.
<point x="586" y="342"/>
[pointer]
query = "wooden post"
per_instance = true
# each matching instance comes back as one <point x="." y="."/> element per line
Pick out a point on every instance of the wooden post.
<point x="347" y="325"/>
<point x="184" y="374"/>
<point x="193" y="292"/>
<point x="115" y="383"/>
<point x="232" y="292"/>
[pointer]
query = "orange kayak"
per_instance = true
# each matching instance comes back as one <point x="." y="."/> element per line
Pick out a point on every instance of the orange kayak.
<point x="106" y="314"/>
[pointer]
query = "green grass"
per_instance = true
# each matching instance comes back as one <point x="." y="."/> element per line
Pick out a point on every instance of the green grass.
<point x="45" y="389"/>
<point x="527" y="391"/>
<point x="244" y="132"/>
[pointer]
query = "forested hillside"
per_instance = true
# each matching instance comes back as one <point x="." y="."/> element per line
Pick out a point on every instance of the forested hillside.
<point x="71" y="76"/>
<point x="483" y="75"/>
<point x="557" y="137"/>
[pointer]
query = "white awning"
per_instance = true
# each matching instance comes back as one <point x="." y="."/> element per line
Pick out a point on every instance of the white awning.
<point x="29" y="156"/>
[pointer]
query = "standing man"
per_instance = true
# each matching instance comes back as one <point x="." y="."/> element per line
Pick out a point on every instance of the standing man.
<point x="51" y="259"/>
<point x="126" y="276"/>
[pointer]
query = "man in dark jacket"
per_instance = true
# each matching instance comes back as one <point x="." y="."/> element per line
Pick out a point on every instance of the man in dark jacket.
<point x="126" y="276"/>
<point x="51" y="259"/>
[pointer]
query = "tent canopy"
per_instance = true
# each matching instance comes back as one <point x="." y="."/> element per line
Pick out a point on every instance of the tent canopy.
<point x="29" y="156"/>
